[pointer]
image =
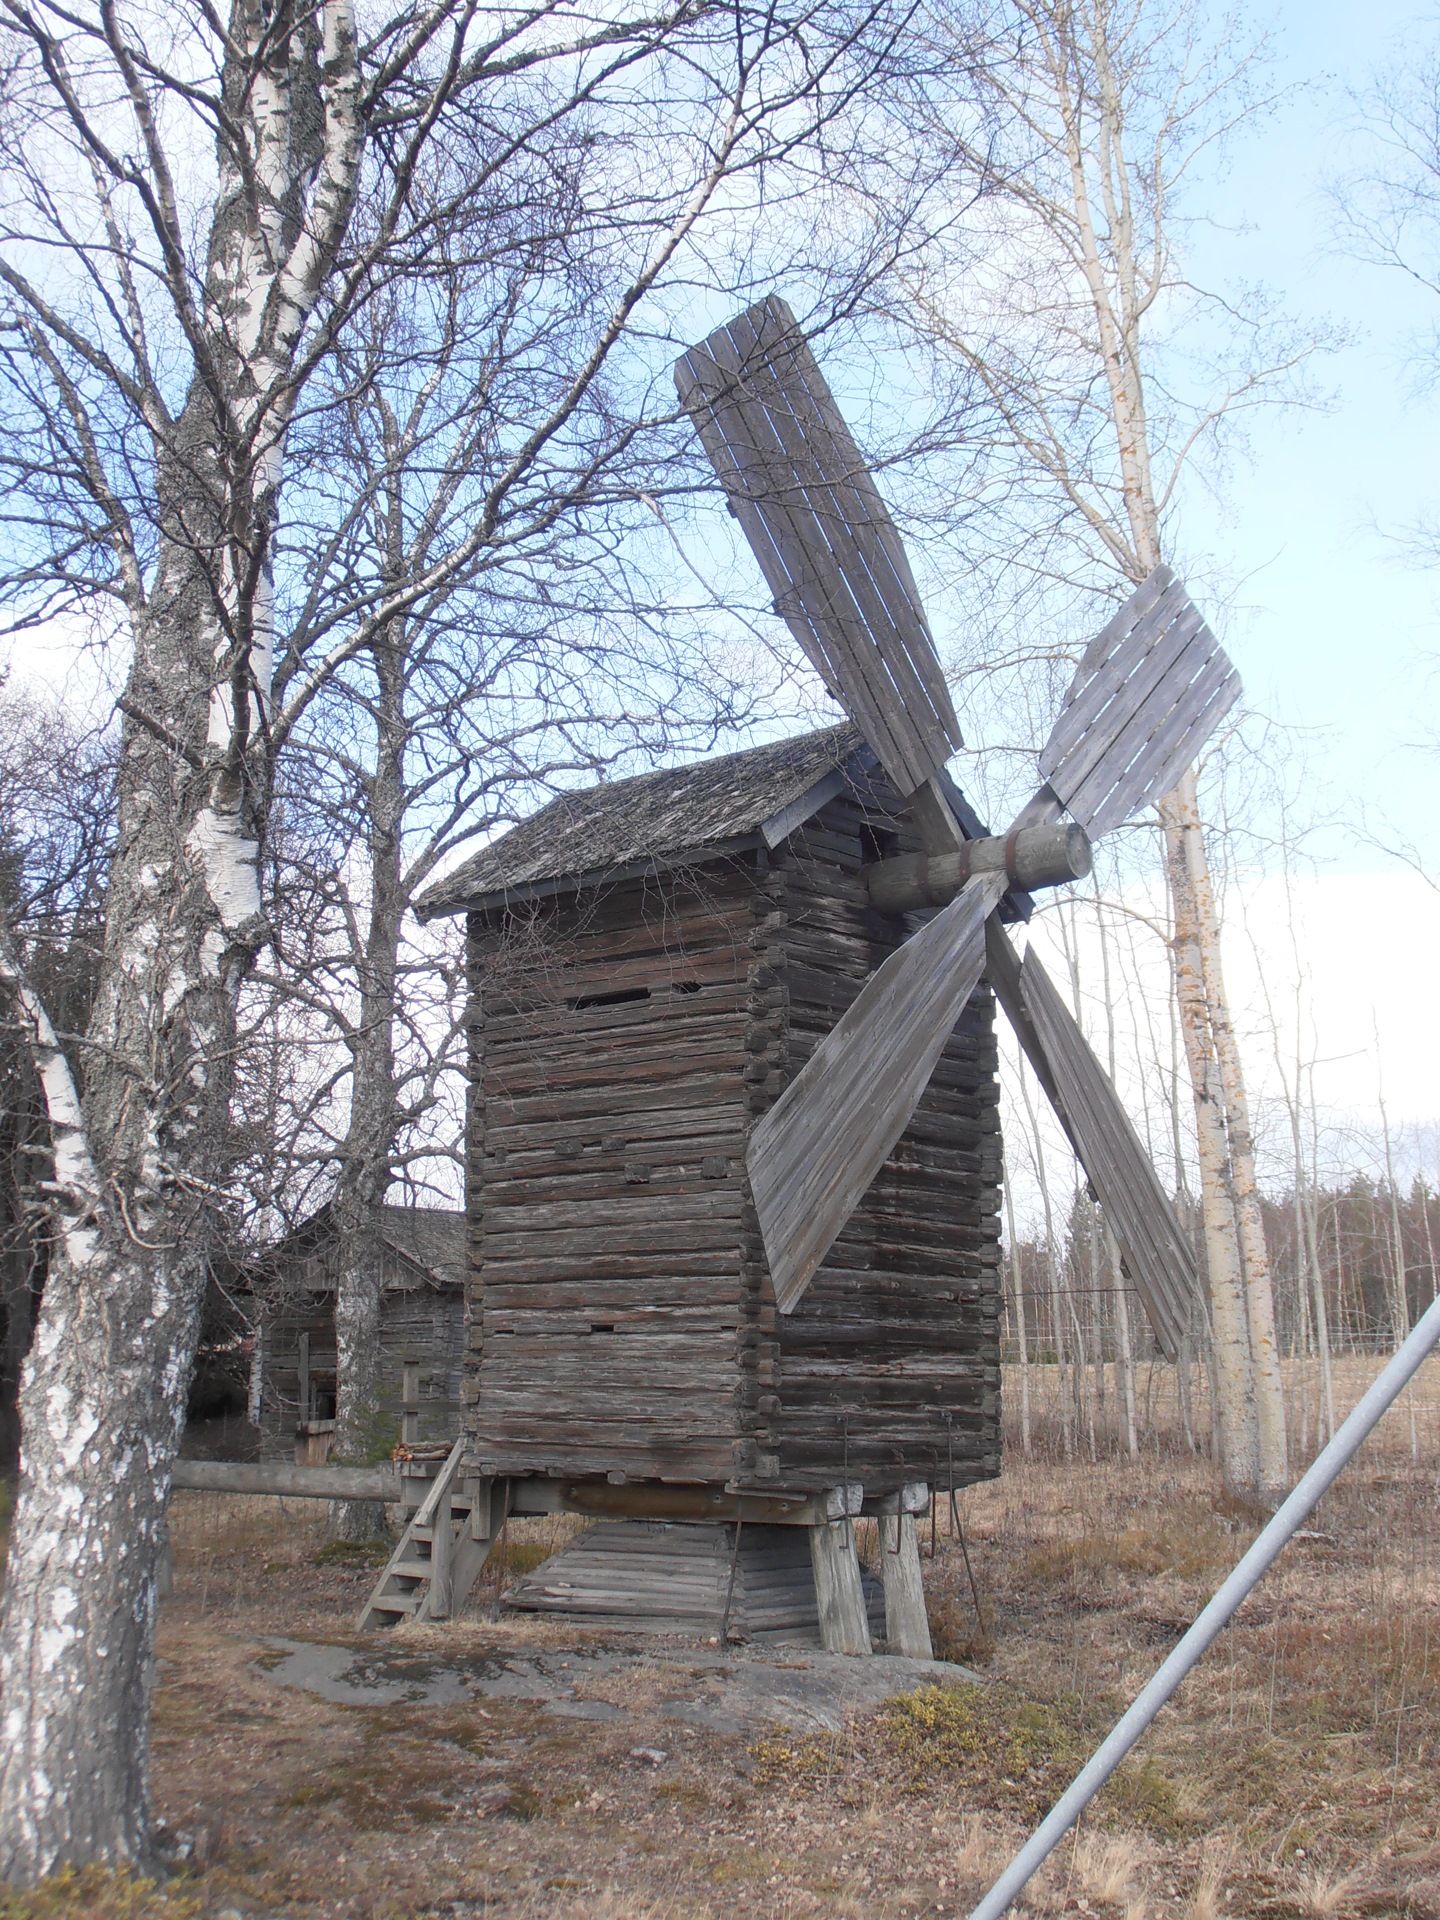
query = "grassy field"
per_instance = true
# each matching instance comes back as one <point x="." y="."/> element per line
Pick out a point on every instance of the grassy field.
<point x="1295" y="1774"/>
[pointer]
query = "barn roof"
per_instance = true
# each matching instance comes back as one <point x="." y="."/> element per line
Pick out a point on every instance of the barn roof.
<point x="626" y="827"/>
<point x="428" y="1245"/>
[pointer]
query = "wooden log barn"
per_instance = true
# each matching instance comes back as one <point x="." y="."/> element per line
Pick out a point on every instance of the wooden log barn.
<point x="650" y="960"/>
<point x="423" y="1320"/>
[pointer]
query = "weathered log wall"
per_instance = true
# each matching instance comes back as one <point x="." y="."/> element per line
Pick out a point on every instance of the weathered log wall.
<point x="613" y="1075"/>
<point x="622" y="1046"/>
<point x="418" y="1323"/>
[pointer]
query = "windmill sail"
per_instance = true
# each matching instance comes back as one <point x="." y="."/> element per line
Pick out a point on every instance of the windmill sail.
<point x="1155" y="1251"/>
<point x="823" y="536"/>
<point x="1148" y="692"/>
<point x="812" y="1156"/>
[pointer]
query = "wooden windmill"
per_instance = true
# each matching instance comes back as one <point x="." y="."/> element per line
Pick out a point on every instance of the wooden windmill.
<point x="733" y="1154"/>
<point x="1147" y="695"/>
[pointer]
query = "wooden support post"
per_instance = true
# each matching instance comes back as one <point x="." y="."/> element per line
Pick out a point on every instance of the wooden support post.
<point x="302" y="1369"/>
<point x="479" y="1492"/>
<point x="409" y="1403"/>
<point x="838" y="1591"/>
<point x="442" y="1535"/>
<point x="907" y="1626"/>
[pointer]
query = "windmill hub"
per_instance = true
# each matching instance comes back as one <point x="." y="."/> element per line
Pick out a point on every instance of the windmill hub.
<point x="1032" y="858"/>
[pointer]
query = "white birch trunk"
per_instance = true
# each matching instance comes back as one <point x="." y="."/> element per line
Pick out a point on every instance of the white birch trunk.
<point x="1272" y="1479"/>
<point x="103" y="1393"/>
<point x="139" y="1161"/>
<point x="1092" y="121"/>
<point x="1236" y="1421"/>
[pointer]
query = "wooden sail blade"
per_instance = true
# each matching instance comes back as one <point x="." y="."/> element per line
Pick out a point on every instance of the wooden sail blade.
<point x="815" y="1152"/>
<point x="1149" y="692"/>
<point x="1153" y="1247"/>
<point x="824" y="538"/>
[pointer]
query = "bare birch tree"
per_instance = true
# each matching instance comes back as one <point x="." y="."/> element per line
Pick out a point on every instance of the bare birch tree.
<point x="56" y="837"/>
<point x="198" y="209"/>
<point x="1096" y="113"/>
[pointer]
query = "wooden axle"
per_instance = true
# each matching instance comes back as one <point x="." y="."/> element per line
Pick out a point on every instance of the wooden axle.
<point x="1033" y="857"/>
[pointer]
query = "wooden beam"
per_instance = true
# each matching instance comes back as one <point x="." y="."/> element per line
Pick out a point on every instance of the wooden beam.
<point x="290" y="1482"/>
<point x="907" y="1625"/>
<point x="839" y="1592"/>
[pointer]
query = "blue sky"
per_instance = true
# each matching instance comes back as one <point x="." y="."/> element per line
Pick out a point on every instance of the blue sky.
<point x="1339" y="634"/>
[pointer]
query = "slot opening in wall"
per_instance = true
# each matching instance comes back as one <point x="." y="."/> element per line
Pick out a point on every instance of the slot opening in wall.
<point x="621" y="998"/>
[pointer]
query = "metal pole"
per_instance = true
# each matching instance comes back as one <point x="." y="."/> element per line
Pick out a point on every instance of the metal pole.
<point x="1246" y="1575"/>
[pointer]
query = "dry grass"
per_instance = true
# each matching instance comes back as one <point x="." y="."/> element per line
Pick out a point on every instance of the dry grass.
<point x="1293" y="1777"/>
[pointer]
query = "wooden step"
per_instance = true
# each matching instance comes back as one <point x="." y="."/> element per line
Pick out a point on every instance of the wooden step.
<point x="437" y="1557"/>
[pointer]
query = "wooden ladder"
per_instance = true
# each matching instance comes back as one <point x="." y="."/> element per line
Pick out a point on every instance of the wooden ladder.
<point x="441" y="1552"/>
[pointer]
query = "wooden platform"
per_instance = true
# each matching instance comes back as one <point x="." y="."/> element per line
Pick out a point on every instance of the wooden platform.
<point x="646" y="1576"/>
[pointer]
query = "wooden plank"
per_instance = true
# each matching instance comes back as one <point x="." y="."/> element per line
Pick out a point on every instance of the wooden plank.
<point x="1172" y="749"/>
<point x="907" y="1625"/>
<point x="1156" y="1253"/>
<point x="1149" y="689"/>
<point x="780" y="368"/>
<point x="1118" y="647"/>
<point x="832" y="519"/>
<point x="822" y="1143"/>
<point x="1115" y="785"/>
<point x="797" y="482"/>
<point x="840" y="1598"/>
<point x="1147" y="694"/>
<point x="806" y="393"/>
<point x="290" y="1482"/>
<point x="700" y="383"/>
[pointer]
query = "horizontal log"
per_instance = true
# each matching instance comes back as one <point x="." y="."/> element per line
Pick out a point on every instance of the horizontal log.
<point x="687" y="1007"/>
<point x="606" y="1101"/>
<point x="648" y="1458"/>
<point x="634" y="1317"/>
<point x="624" y="1284"/>
<point x="563" y="1064"/>
<point x="291" y="1482"/>
<point x="583" y="1245"/>
<point x="524" y="1406"/>
<point x="684" y="1126"/>
<point x="617" y="927"/>
<point x="644" y="1204"/>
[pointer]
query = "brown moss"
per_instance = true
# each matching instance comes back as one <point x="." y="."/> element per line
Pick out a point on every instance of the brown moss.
<point x="100" y="1893"/>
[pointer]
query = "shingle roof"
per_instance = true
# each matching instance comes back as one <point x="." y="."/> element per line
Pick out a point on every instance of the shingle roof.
<point x="429" y="1240"/>
<point x="630" y="825"/>
<point x="432" y="1237"/>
